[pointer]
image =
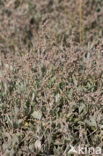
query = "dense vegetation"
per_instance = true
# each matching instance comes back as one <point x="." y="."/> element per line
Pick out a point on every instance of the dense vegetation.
<point x="51" y="76"/>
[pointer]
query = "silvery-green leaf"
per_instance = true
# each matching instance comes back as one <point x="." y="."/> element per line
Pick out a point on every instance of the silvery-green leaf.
<point x="81" y="107"/>
<point x="57" y="97"/>
<point x="91" y="122"/>
<point x="38" y="144"/>
<point x="75" y="81"/>
<point x="37" y="115"/>
<point x="20" y="121"/>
